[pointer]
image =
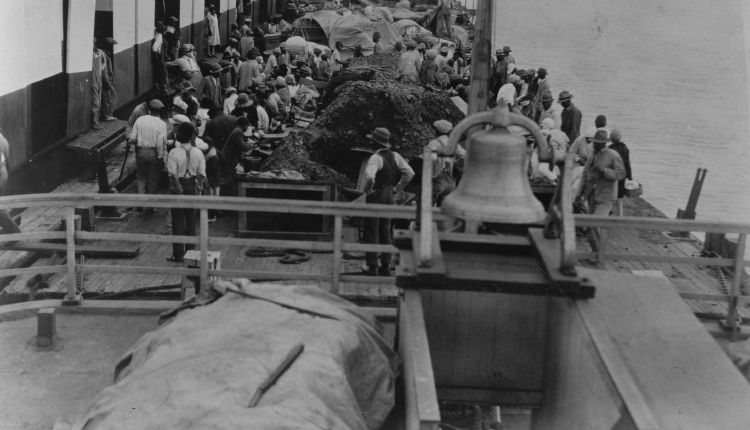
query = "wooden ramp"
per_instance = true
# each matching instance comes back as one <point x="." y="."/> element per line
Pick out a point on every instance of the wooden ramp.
<point x="636" y="357"/>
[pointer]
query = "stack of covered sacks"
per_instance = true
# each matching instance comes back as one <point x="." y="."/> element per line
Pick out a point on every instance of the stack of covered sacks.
<point x="202" y="368"/>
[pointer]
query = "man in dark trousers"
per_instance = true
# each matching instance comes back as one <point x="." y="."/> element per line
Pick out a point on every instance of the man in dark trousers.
<point x="386" y="174"/>
<point x="186" y="167"/>
<point x="571" y="116"/>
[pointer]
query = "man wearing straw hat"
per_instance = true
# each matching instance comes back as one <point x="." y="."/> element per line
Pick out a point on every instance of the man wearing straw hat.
<point x="386" y="174"/>
<point x="600" y="178"/>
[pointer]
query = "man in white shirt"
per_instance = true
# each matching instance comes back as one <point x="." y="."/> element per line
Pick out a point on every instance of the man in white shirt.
<point x="443" y="159"/>
<point x="186" y="167"/>
<point x="386" y="174"/>
<point x="149" y="135"/>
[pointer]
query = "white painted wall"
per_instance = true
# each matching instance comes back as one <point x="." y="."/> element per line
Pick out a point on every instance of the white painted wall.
<point x="32" y="34"/>
<point x="145" y="10"/>
<point x="123" y="21"/>
<point x="224" y="5"/>
<point x="186" y="12"/>
<point x="80" y="35"/>
<point x="199" y="10"/>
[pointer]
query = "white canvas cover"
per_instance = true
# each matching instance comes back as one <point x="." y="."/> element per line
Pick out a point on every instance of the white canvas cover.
<point x="201" y="369"/>
<point x="355" y="29"/>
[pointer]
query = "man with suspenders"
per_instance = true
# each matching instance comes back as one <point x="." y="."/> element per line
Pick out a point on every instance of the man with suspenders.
<point x="386" y="174"/>
<point x="186" y="166"/>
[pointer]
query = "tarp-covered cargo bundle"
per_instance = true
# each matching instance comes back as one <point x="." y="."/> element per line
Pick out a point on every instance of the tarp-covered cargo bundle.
<point x="202" y="368"/>
<point x="354" y="29"/>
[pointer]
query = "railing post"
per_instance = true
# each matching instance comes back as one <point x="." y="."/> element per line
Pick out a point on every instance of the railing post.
<point x="425" y="214"/>
<point x="739" y="268"/>
<point x="72" y="297"/>
<point x="337" y="239"/>
<point x="203" y="247"/>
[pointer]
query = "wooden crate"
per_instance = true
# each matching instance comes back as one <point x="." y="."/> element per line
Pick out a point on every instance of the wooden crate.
<point x="280" y="225"/>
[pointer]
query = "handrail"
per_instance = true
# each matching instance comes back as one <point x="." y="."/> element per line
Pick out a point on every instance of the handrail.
<point x="336" y="245"/>
<point x="738" y="263"/>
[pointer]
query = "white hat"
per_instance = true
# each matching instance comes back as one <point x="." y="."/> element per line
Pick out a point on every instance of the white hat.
<point x="249" y="131"/>
<point x="200" y="144"/>
<point x="179" y="119"/>
<point x="548" y="123"/>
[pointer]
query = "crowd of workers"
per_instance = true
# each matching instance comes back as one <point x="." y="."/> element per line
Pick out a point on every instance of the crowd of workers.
<point x="217" y="116"/>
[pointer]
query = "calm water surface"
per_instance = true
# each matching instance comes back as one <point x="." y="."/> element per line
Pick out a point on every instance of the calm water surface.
<point x="670" y="74"/>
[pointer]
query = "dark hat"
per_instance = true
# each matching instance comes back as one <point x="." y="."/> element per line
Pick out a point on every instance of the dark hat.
<point x="564" y="95"/>
<point x="380" y="135"/>
<point x="507" y="49"/>
<point x="155" y="104"/>
<point x="214" y="68"/>
<point x="600" y="137"/>
<point x="243" y="100"/>
<point x="547" y="97"/>
<point x="499" y="52"/>
<point x="443" y="49"/>
<point x="542" y="70"/>
<point x="172" y="19"/>
<point x="185" y="132"/>
<point x="110" y="41"/>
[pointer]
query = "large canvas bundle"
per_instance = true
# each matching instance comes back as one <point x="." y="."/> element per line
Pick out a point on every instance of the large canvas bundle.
<point x="201" y="369"/>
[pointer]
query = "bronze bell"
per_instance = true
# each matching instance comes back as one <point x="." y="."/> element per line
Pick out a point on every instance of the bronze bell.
<point x="495" y="187"/>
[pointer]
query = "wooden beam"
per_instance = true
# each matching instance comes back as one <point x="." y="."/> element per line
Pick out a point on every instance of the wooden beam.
<point x="337" y="239"/>
<point x="481" y="58"/>
<point x="422" y="410"/>
<point x="87" y="250"/>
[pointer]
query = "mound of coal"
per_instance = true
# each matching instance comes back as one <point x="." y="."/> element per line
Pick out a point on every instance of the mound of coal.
<point x="292" y="154"/>
<point x="358" y="99"/>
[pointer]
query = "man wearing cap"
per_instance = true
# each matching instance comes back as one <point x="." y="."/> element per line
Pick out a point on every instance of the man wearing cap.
<point x="570" y="116"/>
<point x="273" y="62"/>
<point x="540" y="85"/>
<point x="582" y="149"/>
<point x="428" y="73"/>
<point x="499" y="72"/>
<point x="283" y="93"/>
<point x="149" y="135"/>
<point x="506" y="95"/>
<point x="230" y="99"/>
<point x="508" y="56"/>
<point x="188" y="67"/>
<point x="171" y="38"/>
<point x="186" y="167"/>
<point x="548" y="110"/>
<point x="324" y="68"/>
<point x="444" y="157"/>
<point x="386" y="174"/>
<point x="600" y="181"/>
<point x="442" y="60"/>
<point x="410" y="64"/>
<point x="212" y="86"/>
<point x="231" y="48"/>
<point x="238" y="142"/>
<point x="335" y="59"/>
<point x="444" y="18"/>
<point x="109" y="94"/>
<point x="619" y="146"/>
<point x="247" y="41"/>
<point x="98" y="66"/>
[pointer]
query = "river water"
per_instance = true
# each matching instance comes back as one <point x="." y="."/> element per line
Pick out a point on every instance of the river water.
<point x="670" y="74"/>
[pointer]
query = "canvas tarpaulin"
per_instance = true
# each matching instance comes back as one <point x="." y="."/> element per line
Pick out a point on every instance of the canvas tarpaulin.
<point x="355" y="29"/>
<point x="201" y="369"/>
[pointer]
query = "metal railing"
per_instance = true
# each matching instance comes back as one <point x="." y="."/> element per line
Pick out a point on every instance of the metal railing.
<point x="338" y="210"/>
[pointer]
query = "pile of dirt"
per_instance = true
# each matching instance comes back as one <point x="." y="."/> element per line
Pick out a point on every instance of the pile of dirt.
<point x="292" y="154"/>
<point x="358" y="99"/>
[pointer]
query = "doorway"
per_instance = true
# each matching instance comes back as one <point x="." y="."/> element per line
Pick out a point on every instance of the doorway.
<point x="165" y="8"/>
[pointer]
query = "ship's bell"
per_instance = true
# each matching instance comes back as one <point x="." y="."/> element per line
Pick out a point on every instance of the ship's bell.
<point x="495" y="187"/>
